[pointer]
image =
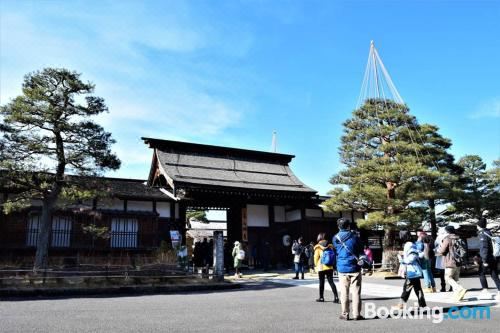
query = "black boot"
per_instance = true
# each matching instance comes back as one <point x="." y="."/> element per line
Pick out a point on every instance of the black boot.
<point x="302" y="276"/>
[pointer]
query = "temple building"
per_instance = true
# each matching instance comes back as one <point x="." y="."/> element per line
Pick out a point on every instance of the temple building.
<point x="263" y="199"/>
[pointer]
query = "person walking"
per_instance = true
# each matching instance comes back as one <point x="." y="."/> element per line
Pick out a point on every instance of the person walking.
<point x="424" y="245"/>
<point x="299" y="257"/>
<point x="439" y="260"/>
<point x="324" y="264"/>
<point x="452" y="250"/>
<point x="348" y="248"/>
<point x="238" y="257"/>
<point x="413" y="272"/>
<point x="488" y="260"/>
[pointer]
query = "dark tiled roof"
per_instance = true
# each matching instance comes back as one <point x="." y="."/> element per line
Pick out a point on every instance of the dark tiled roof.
<point x="213" y="166"/>
<point x="132" y="188"/>
<point x="117" y="187"/>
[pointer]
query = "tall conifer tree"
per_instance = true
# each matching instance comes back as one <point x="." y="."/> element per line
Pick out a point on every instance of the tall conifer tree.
<point x="47" y="132"/>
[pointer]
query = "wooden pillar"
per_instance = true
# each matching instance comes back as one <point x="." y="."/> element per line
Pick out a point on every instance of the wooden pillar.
<point x="234" y="224"/>
<point x="218" y="256"/>
<point x="182" y="221"/>
<point x="271" y="221"/>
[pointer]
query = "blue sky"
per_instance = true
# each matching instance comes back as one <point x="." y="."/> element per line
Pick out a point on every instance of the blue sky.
<point x="231" y="72"/>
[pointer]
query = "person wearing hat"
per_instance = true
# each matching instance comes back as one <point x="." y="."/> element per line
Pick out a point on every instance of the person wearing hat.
<point x="452" y="268"/>
<point x="238" y="257"/>
<point x="488" y="261"/>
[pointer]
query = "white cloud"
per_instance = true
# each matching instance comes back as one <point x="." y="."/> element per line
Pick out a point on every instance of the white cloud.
<point x="488" y="109"/>
<point x="144" y="61"/>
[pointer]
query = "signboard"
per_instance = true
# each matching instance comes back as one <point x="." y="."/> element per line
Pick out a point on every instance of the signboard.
<point x="244" y="225"/>
<point x="176" y="238"/>
<point x="375" y="242"/>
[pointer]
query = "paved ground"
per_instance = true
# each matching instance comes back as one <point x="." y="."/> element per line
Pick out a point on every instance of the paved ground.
<point x="272" y="303"/>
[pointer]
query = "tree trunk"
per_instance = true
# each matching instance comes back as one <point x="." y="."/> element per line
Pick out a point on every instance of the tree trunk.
<point x="44" y="231"/>
<point x="49" y="200"/>
<point x="432" y="217"/>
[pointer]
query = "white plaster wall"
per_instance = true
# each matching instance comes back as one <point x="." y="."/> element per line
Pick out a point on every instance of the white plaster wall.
<point x="293" y="215"/>
<point x="163" y="208"/>
<point x="258" y="215"/>
<point x="331" y="214"/>
<point x="279" y="214"/>
<point x="146" y="206"/>
<point x="313" y="212"/>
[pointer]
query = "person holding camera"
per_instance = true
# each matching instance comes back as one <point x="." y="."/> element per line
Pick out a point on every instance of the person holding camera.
<point x="349" y="249"/>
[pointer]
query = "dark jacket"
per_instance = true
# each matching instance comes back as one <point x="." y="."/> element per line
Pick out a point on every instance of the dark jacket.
<point x="299" y="253"/>
<point x="347" y="256"/>
<point x="485" y="246"/>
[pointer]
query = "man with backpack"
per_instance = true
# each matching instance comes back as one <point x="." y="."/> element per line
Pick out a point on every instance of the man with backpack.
<point x="454" y="251"/>
<point x="489" y="259"/>
<point x="349" y="248"/>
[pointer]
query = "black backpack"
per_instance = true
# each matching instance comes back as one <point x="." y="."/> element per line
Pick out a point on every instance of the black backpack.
<point x="458" y="251"/>
<point x="308" y="252"/>
<point x="303" y="255"/>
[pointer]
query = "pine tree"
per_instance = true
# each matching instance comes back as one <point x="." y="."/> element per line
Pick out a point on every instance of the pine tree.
<point x="46" y="133"/>
<point x="390" y="160"/>
<point x="439" y="184"/>
<point x="480" y="188"/>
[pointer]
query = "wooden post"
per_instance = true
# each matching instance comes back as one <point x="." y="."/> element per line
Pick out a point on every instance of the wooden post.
<point x="182" y="222"/>
<point x="218" y="256"/>
<point x="244" y="225"/>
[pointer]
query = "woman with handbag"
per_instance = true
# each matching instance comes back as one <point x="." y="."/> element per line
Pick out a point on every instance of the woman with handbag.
<point x="413" y="273"/>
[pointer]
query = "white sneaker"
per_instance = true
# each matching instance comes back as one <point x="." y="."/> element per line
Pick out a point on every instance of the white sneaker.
<point x="484" y="294"/>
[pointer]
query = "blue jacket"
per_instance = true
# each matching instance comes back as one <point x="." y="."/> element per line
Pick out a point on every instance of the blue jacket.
<point x="347" y="259"/>
<point x="412" y="261"/>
